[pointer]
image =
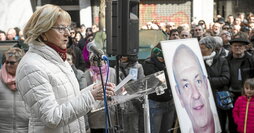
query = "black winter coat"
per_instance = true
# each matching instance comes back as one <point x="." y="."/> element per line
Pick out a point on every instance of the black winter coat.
<point x="218" y="73"/>
<point x="152" y="65"/>
<point x="246" y="67"/>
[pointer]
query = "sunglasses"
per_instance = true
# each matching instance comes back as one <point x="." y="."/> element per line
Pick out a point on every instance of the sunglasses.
<point x="10" y="62"/>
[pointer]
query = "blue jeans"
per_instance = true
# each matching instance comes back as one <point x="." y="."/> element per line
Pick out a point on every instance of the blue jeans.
<point x="162" y="116"/>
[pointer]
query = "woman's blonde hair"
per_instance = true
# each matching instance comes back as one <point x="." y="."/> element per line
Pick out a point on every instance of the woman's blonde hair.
<point x="16" y="52"/>
<point x="42" y="20"/>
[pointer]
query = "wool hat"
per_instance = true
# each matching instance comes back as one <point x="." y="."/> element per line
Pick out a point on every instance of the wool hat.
<point x="239" y="40"/>
<point x="157" y="52"/>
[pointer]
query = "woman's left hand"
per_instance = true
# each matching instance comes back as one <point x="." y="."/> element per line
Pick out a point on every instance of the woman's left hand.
<point x="97" y="91"/>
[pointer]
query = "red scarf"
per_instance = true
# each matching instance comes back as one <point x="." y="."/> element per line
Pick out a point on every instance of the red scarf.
<point x="7" y="78"/>
<point x="61" y="52"/>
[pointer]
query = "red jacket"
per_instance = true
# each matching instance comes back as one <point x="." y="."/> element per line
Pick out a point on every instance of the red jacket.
<point x="244" y="106"/>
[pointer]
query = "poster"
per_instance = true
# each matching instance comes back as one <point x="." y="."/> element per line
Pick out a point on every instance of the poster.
<point x="195" y="106"/>
<point x="14" y="13"/>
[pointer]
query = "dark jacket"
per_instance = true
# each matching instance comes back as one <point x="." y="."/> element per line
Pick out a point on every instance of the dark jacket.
<point x="218" y="73"/>
<point x="152" y="65"/>
<point x="79" y="60"/>
<point x="246" y="68"/>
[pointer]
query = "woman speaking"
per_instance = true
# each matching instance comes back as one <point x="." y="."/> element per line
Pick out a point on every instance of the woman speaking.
<point x="46" y="80"/>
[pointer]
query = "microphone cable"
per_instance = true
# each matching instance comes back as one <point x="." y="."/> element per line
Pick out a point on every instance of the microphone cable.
<point x="107" y="116"/>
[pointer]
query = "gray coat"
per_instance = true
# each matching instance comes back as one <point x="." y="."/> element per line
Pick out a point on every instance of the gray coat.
<point x="97" y="119"/>
<point x="80" y="77"/>
<point x="13" y="115"/>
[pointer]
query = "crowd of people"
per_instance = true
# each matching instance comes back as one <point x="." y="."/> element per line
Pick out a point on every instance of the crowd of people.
<point x="51" y="84"/>
<point x="227" y="50"/>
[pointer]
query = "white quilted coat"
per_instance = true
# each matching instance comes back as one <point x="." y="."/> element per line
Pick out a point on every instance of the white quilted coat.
<point x="50" y="89"/>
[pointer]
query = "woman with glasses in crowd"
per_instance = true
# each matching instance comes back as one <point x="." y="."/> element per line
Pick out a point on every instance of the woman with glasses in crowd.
<point x="13" y="115"/>
<point x="217" y="70"/>
<point x="46" y="80"/>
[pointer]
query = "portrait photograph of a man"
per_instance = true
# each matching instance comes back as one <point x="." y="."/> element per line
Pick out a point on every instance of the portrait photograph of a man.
<point x="191" y="89"/>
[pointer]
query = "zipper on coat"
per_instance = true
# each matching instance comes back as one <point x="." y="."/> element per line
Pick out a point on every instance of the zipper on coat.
<point x="246" y="115"/>
<point x="14" y="111"/>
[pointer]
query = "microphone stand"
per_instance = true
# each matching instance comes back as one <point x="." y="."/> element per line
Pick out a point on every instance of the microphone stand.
<point x="107" y="117"/>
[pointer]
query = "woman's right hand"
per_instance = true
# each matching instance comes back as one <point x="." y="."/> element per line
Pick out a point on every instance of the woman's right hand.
<point x="97" y="91"/>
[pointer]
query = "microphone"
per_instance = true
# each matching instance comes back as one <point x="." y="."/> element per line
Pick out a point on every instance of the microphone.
<point x="91" y="47"/>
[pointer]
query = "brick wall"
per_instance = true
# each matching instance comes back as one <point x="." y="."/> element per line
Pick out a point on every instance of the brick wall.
<point x="178" y="11"/>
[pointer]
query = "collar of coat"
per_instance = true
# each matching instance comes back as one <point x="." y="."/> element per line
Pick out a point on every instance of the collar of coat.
<point x="45" y="51"/>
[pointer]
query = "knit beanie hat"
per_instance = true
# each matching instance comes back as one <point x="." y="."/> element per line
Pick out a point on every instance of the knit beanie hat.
<point x="157" y="52"/>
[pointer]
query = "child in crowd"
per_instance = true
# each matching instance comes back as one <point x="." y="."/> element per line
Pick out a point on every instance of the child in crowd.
<point x="243" y="112"/>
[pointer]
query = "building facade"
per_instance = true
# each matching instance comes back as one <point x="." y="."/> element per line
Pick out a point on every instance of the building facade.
<point x="178" y="11"/>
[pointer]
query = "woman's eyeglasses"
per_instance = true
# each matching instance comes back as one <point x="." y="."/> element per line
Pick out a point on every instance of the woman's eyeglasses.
<point x="10" y="62"/>
<point x="61" y="29"/>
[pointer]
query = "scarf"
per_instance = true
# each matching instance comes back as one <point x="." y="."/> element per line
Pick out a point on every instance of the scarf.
<point x="61" y="52"/>
<point x="124" y="64"/>
<point x="7" y="78"/>
<point x="96" y="72"/>
<point x="209" y="59"/>
<point x="86" y="54"/>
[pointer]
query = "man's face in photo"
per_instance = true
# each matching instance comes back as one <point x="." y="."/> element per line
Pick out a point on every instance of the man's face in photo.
<point x="192" y="89"/>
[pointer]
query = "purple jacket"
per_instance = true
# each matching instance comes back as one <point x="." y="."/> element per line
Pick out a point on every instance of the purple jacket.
<point x="85" y="54"/>
<point x="239" y="111"/>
